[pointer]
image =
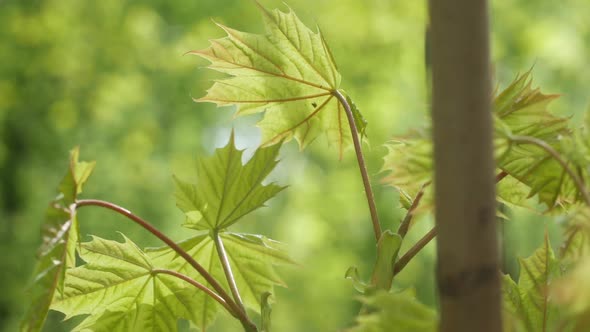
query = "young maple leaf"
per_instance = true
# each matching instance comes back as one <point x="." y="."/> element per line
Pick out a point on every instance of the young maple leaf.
<point x="58" y="250"/>
<point x="120" y="289"/>
<point x="288" y="73"/>
<point x="227" y="190"/>
<point x="528" y="303"/>
<point x="518" y="110"/>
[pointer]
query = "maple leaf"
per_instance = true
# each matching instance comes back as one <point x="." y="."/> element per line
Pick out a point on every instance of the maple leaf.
<point x="528" y="302"/>
<point x="519" y="111"/>
<point x="399" y="311"/>
<point x="58" y="250"/>
<point x="227" y="190"/>
<point x="288" y="73"/>
<point x="577" y="236"/>
<point x="409" y="164"/>
<point x="121" y="289"/>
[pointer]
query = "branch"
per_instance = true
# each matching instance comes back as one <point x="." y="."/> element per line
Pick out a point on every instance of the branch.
<point x="420" y="244"/>
<point x="236" y="311"/>
<point x="501" y="176"/>
<point x="198" y="285"/>
<point x="361" y="161"/>
<point x="231" y="280"/>
<point x="405" y="224"/>
<point x="551" y="151"/>
<point x="407" y="257"/>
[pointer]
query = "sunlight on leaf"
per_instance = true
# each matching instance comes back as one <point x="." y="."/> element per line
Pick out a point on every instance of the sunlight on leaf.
<point x="226" y="189"/>
<point x="288" y="73"/>
<point x="409" y="166"/>
<point x="58" y="250"/>
<point x="120" y="291"/>
<point x="252" y="257"/>
<point x="389" y="312"/>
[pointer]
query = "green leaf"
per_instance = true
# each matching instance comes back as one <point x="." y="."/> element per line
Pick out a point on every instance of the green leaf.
<point x="78" y="174"/>
<point x="577" y="236"/>
<point x="572" y="293"/>
<point x="522" y="111"/>
<point x="387" y="250"/>
<point x="353" y="274"/>
<point x="519" y="110"/>
<point x="252" y="259"/>
<point x="58" y="249"/>
<point x="120" y="291"/>
<point x="409" y="166"/>
<point x="528" y="301"/>
<point x="513" y="193"/>
<point x="391" y="312"/>
<point x="265" y="312"/>
<point x="227" y="190"/>
<point x="288" y="73"/>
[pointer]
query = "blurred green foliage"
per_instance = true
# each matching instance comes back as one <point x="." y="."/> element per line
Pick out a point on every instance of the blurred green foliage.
<point x="109" y="76"/>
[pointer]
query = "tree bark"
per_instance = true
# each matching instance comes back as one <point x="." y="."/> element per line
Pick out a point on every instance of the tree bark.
<point x="468" y="257"/>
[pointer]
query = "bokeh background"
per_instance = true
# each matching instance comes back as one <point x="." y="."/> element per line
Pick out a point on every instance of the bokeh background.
<point x="110" y="76"/>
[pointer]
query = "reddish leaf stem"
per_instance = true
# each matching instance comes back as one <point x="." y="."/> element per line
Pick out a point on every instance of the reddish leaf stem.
<point x="407" y="257"/>
<point x="405" y="224"/>
<point x="361" y="161"/>
<point x="420" y="244"/>
<point x="501" y="176"/>
<point x="236" y="311"/>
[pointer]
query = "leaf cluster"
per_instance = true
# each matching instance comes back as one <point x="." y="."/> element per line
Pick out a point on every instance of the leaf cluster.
<point x="289" y="75"/>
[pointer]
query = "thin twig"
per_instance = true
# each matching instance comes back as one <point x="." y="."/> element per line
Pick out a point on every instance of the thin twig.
<point x="244" y="319"/>
<point x="407" y="257"/>
<point x="361" y="161"/>
<point x="231" y="280"/>
<point x="551" y="151"/>
<point x="405" y="224"/>
<point x="501" y="176"/>
<point x="198" y="285"/>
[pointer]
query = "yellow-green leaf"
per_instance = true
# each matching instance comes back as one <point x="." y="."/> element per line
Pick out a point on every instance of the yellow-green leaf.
<point x="528" y="302"/>
<point x="401" y="311"/>
<point x="252" y="258"/>
<point x="226" y="189"/>
<point x="58" y="249"/>
<point x="288" y="73"/>
<point x="121" y="291"/>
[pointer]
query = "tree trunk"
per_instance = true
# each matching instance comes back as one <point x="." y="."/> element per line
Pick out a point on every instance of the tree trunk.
<point x="468" y="257"/>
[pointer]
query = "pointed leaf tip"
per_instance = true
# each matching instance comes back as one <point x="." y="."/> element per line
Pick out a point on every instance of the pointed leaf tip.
<point x="58" y="249"/>
<point x="226" y="189"/>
